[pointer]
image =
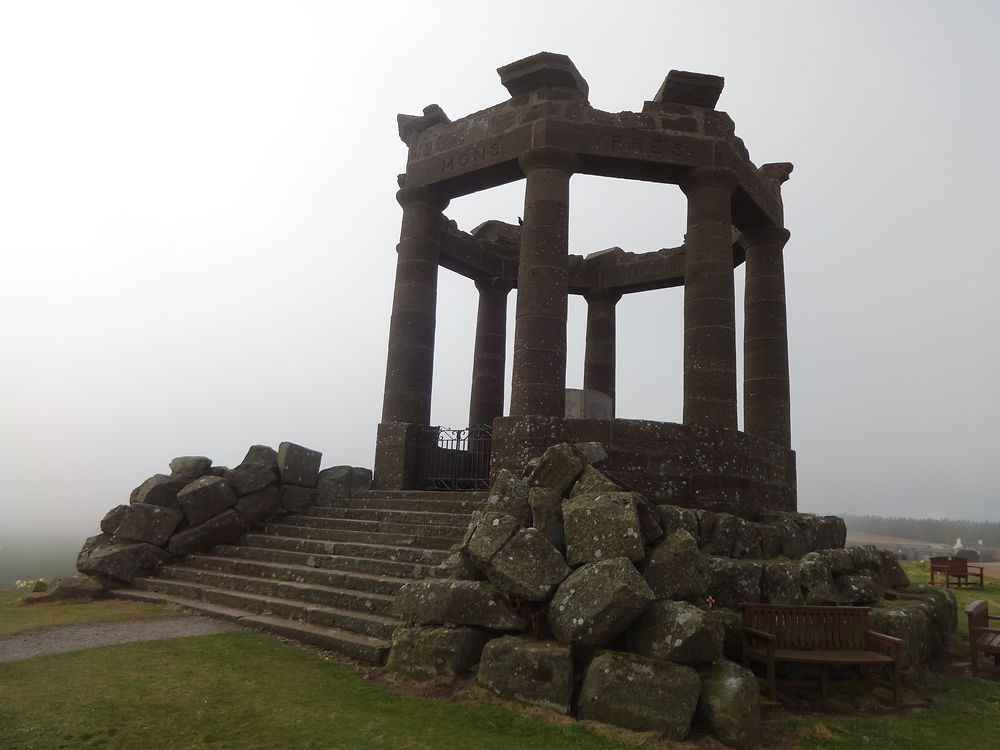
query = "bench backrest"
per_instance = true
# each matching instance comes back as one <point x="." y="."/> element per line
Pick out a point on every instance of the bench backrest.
<point x="954" y="565"/>
<point x="810" y="627"/>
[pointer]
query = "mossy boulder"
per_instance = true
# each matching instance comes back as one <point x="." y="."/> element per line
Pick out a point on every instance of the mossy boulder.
<point x="539" y="673"/>
<point x="676" y="569"/>
<point x="426" y="652"/>
<point x="641" y="694"/>
<point x="729" y="705"/>
<point x="677" y="631"/>
<point x="450" y="602"/>
<point x="528" y="567"/>
<point x="602" y="526"/>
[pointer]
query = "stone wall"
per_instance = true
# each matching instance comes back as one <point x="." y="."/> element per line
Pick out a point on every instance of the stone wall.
<point x="668" y="463"/>
<point x="199" y="505"/>
<point x="571" y="593"/>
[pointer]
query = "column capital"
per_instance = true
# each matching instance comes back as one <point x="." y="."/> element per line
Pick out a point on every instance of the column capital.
<point x="547" y="158"/>
<point x="410" y="196"/>
<point x="602" y="294"/>
<point x="700" y="178"/>
<point x="493" y="284"/>
<point x="764" y="235"/>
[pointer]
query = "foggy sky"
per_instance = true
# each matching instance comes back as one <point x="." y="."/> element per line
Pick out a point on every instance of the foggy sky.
<point x="198" y="223"/>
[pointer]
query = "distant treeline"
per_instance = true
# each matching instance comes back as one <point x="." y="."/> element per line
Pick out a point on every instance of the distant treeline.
<point x="936" y="530"/>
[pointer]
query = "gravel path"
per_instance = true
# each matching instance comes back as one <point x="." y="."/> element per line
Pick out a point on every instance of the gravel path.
<point x="73" y="637"/>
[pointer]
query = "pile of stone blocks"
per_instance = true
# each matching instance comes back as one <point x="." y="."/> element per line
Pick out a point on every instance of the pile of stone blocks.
<point x="198" y="505"/>
<point x="573" y="593"/>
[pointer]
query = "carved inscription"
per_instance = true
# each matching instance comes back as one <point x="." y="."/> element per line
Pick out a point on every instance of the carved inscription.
<point x="639" y="144"/>
<point x="476" y="154"/>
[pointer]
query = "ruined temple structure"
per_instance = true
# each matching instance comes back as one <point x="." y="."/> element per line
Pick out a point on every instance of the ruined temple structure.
<point x="546" y="132"/>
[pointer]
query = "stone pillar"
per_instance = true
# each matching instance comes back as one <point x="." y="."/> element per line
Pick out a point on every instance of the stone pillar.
<point x="709" y="300"/>
<point x="539" y="378"/>
<point x="766" y="404"/>
<point x="486" y="401"/>
<point x="410" y="363"/>
<point x="599" y="357"/>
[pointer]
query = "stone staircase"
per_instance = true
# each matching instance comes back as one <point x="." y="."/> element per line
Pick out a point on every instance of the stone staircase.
<point x="326" y="576"/>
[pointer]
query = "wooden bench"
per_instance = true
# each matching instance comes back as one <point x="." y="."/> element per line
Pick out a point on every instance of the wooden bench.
<point x="955" y="571"/>
<point x="982" y="638"/>
<point x="823" y="636"/>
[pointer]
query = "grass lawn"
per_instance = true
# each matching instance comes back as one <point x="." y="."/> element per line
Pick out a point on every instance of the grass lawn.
<point x="31" y="619"/>
<point x="241" y="690"/>
<point x="245" y="690"/>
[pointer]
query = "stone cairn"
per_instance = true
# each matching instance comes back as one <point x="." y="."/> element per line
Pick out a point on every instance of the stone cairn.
<point x="572" y="593"/>
<point x="197" y="506"/>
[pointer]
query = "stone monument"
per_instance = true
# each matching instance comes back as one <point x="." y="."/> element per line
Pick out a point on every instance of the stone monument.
<point x="546" y="132"/>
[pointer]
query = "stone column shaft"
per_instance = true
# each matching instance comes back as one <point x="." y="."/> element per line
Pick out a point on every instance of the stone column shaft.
<point x="410" y="362"/>
<point x="599" y="356"/>
<point x="709" y="300"/>
<point x="766" y="402"/>
<point x="539" y="379"/>
<point x="489" y="358"/>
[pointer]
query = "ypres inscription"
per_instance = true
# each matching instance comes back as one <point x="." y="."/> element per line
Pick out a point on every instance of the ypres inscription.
<point x="474" y="155"/>
<point x="639" y="144"/>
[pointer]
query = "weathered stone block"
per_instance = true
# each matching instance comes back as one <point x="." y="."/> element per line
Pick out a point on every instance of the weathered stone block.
<point x="557" y="469"/>
<point x="159" y="489"/>
<point x="592" y="452"/>
<point x="259" y="506"/>
<point x="547" y="516"/>
<point x="838" y="560"/>
<point x="224" y="528"/>
<point x="890" y="572"/>
<point x="298" y="465"/>
<point x="600" y="527"/>
<point x="831" y="532"/>
<point x="426" y="652"/>
<point x="69" y="588"/>
<point x="677" y="632"/>
<point x="338" y="483"/>
<point x="858" y="589"/>
<point x="295" y="498"/>
<point x="250" y="477"/>
<point x="782" y="583"/>
<point x="724" y="532"/>
<point x="205" y="498"/>
<point x="817" y="580"/>
<point x="149" y="523"/>
<point x="925" y="618"/>
<point x="732" y="582"/>
<point x="112" y="519"/>
<point x="527" y="567"/>
<point x="592" y="482"/>
<point x="457" y="567"/>
<point x="539" y="673"/>
<point x="865" y="557"/>
<point x="190" y="466"/>
<point x="123" y="562"/>
<point x="675" y="569"/>
<point x="731" y="624"/>
<point x="597" y="602"/>
<point x="262" y="454"/>
<point x="641" y="694"/>
<point x="509" y="495"/>
<point x="729" y="705"/>
<point x="492" y="532"/>
<point x="449" y="602"/>
<point x="673" y="517"/>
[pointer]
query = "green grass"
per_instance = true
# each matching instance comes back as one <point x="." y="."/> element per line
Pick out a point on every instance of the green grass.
<point x="33" y="618"/>
<point x="246" y="691"/>
<point x="990" y="592"/>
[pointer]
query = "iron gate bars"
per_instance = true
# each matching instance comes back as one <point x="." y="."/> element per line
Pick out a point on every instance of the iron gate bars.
<point x="454" y="459"/>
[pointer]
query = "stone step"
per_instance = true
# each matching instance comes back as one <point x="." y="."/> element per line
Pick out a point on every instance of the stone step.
<point x="369" y="565"/>
<point x="306" y="593"/>
<point x="419" y="555"/>
<point x="371" y="625"/>
<point x="437" y="502"/>
<point x="417" y="517"/>
<point x="361" y="537"/>
<point x="382" y="527"/>
<point x="376" y="584"/>
<point x="366" y="648"/>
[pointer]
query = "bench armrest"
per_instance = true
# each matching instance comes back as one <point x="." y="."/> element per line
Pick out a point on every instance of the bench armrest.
<point x="761" y="634"/>
<point x="887" y="641"/>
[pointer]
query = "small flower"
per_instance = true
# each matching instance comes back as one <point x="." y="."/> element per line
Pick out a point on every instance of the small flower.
<point x="710" y="601"/>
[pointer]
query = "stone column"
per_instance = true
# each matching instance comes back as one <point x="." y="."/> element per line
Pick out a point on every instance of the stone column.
<point x="410" y="363"/>
<point x="539" y="377"/>
<point x="709" y="300"/>
<point x="486" y="401"/>
<point x="599" y="357"/>
<point x="766" y="404"/>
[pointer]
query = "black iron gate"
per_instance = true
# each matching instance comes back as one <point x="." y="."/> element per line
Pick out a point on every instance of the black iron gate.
<point x="454" y="459"/>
